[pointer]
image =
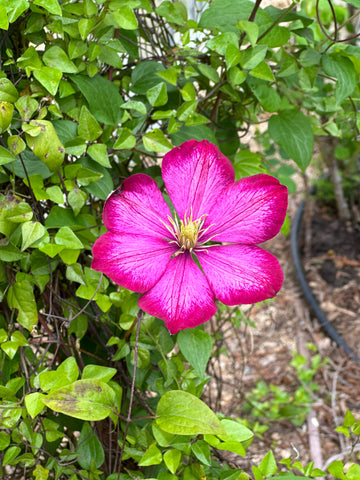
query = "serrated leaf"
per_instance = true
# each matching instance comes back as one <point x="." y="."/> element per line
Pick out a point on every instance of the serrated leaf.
<point x="182" y="413"/>
<point x="291" y="129"/>
<point x="90" y="400"/>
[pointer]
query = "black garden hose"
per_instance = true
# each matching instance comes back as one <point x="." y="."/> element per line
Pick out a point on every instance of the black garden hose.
<point x="315" y="307"/>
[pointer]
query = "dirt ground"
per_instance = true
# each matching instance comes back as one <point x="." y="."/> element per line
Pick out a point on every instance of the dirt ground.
<point x="262" y="353"/>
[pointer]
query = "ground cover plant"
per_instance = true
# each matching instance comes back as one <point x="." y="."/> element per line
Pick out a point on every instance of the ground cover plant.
<point x="93" y="95"/>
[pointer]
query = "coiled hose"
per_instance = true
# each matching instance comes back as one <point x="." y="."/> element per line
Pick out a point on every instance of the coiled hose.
<point x="311" y="300"/>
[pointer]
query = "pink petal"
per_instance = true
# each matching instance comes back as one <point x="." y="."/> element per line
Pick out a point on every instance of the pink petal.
<point x="132" y="261"/>
<point x="195" y="174"/>
<point x="182" y="297"/>
<point x="241" y="273"/>
<point x="137" y="207"/>
<point x="249" y="211"/>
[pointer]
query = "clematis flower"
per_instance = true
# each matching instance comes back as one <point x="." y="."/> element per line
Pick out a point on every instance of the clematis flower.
<point x="209" y="250"/>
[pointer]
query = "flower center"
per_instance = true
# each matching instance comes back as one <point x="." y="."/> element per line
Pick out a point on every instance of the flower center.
<point x="189" y="232"/>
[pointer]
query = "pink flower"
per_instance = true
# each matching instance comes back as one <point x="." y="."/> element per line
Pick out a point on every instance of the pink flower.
<point x="220" y="222"/>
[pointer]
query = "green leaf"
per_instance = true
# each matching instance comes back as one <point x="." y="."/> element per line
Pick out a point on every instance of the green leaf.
<point x="16" y="144"/>
<point x="232" y="56"/>
<point x="125" y="140"/>
<point x="196" y="346"/>
<point x="9" y="253"/>
<point x="201" y="450"/>
<point x="4" y="440"/>
<point x="8" y="92"/>
<point x="182" y="413"/>
<point x="21" y="297"/>
<point x="31" y="232"/>
<point x="343" y="70"/>
<point x="209" y="72"/>
<point x="252" y="56"/>
<point x="152" y="456"/>
<point x="40" y="473"/>
<point x="51" y="6"/>
<point x="98" y="152"/>
<point x="144" y="76"/>
<point x="173" y="12"/>
<point x="102" y="96"/>
<point x="55" y="57"/>
<point x="263" y="71"/>
<point x="104" y="374"/>
<point x="46" y="145"/>
<point x="223" y="15"/>
<point x="89" y="128"/>
<point x="89" y="449"/>
<point x="34" y="404"/>
<point x="157" y="95"/>
<point x="268" y="466"/>
<point x="77" y="199"/>
<point x="155" y="141"/>
<point x="250" y="28"/>
<point x="85" y="27"/>
<point x="291" y="129"/>
<point x="26" y="106"/>
<point x="66" y="237"/>
<point x="5" y="156"/>
<point x="66" y="373"/>
<point x="186" y="110"/>
<point x="170" y="75"/>
<point x="125" y="18"/>
<point x="49" y="78"/>
<point x="90" y="400"/>
<point x="6" y="114"/>
<point x="236" y="432"/>
<point x="172" y="459"/>
<point x="4" y="25"/>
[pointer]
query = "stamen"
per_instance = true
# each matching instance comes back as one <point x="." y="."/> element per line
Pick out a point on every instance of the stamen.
<point x="186" y="233"/>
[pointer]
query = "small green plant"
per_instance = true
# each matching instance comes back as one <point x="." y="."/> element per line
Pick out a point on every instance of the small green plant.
<point x="270" y="402"/>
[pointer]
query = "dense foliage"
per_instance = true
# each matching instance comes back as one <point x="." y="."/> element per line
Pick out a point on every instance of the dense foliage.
<point x="91" y="92"/>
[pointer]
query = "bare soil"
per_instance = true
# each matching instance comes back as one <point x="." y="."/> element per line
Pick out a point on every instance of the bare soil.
<point x="285" y="325"/>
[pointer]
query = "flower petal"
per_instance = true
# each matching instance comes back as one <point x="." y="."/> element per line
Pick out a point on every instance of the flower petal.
<point x="195" y="174"/>
<point x="132" y="261"/>
<point x="182" y="297"/>
<point x="249" y="211"/>
<point x="137" y="207"/>
<point x="241" y="273"/>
